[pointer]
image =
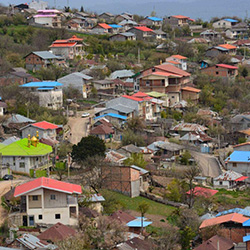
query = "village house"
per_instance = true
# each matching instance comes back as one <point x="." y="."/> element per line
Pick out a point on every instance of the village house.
<point x="42" y="59"/>
<point x="229" y="179"/>
<point x="122" y="74"/>
<point x="129" y="180"/>
<point x="106" y="17"/>
<point x="121" y="37"/>
<point x="184" y="128"/>
<point x="127" y="24"/>
<point x="152" y="21"/>
<point x="177" y="61"/>
<point x="68" y="48"/>
<point x="212" y="35"/>
<point x="122" y="17"/>
<point x="50" y="94"/>
<point x="159" y="34"/>
<point x="48" y="201"/>
<point x="239" y="122"/>
<point x="25" y="154"/>
<point x="196" y="138"/>
<point x="231" y="223"/>
<point x="3" y="108"/>
<point x="225" y="23"/>
<point x="221" y="49"/>
<point x="77" y="80"/>
<point x="141" y="32"/>
<point x="221" y="70"/>
<point x="104" y="86"/>
<point x="102" y="131"/>
<point x="177" y="20"/>
<point x="50" y="18"/>
<point x="44" y="130"/>
<point x="101" y="28"/>
<point x="190" y="94"/>
<point x="239" y="30"/>
<point x="167" y="79"/>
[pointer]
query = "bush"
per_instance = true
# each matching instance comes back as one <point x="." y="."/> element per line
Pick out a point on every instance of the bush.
<point x="31" y="172"/>
<point x="41" y="173"/>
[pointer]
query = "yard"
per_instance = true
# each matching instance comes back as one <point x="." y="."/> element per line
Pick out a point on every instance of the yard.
<point x="155" y="208"/>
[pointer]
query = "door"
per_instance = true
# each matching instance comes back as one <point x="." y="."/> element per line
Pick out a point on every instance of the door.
<point x="31" y="220"/>
<point x="25" y="221"/>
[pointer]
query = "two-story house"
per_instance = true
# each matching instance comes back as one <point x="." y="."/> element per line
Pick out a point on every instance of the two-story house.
<point x="48" y="201"/>
<point x="221" y="70"/>
<point x="25" y="154"/>
<point x="51" y="18"/>
<point x="178" y="61"/>
<point x="177" y="20"/>
<point x="141" y="32"/>
<point x="151" y="21"/>
<point x="225" y="23"/>
<point x="49" y="93"/>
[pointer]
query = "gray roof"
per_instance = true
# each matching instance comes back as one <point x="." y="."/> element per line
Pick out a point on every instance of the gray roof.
<point x="142" y="170"/>
<point x="124" y="22"/>
<point x="169" y="146"/>
<point x="241" y="118"/>
<point x="159" y="32"/>
<point x="45" y="55"/>
<point x="122" y="74"/>
<point x="127" y="34"/>
<point x="101" y="82"/>
<point x="120" y="108"/>
<point x="16" y="118"/>
<point x="122" y="101"/>
<point x="131" y="148"/>
<point x="10" y="140"/>
<point x="75" y="80"/>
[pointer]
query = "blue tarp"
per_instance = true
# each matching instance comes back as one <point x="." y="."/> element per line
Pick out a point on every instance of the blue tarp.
<point x="41" y="84"/>
<point x="153" y="18"/>
<point x="112" y="115"/>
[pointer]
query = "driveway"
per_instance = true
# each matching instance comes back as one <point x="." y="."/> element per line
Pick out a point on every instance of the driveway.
<point x="79" y="127"/>
<point x="208" y="164"/>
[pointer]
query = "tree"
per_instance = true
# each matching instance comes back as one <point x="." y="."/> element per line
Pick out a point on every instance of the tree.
<point x="88" y="146"/>
<point x="135" y="159"/>
<point x="135" y="124"/>
<point x="129" y="137"/>
<point x="189" y="174"/>
<point x="185" y="158"/>
<point x="81" y="9"/>
<point x="143" y="207"/>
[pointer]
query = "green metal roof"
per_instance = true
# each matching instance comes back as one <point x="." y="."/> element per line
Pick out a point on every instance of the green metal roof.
<point x="156" y="94"/>
<point x="20" y="148"/>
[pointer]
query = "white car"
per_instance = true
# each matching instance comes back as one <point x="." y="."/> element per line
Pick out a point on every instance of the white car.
<point x="85" y="115"/>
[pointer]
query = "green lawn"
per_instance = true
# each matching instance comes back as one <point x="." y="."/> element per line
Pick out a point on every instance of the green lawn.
<point x="132" y="203"/>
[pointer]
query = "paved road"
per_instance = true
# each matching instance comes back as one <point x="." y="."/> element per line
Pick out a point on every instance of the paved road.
<point x="78" y="127"/>
<point x="208" y="164"/>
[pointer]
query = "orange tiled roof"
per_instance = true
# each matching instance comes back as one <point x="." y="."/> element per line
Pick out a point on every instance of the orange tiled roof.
<point x="227" y="46"/>
<point x="234" y="217"/>
<point x="191" y="89"/>
<point x="180" y="17"/>
<point x="104" y="26"/>
<point x="179" y="57"/>
<point x="172" y="69"/>
<point x="245" y="143"/>
<point x="173" y="62"/>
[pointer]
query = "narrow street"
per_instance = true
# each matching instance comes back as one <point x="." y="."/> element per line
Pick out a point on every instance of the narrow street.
<point x="78" y="127"/>
<point x="208" y="164"/>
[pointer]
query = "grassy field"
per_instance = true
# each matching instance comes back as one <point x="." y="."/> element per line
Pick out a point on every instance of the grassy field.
<point x="132" y="203"/>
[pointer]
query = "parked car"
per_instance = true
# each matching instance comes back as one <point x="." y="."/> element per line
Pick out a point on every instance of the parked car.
<point x="8" y="177"/>
<point x="85" y="115"/>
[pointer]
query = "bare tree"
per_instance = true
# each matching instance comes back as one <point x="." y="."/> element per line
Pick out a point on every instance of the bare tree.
<point x="189" y="174"/>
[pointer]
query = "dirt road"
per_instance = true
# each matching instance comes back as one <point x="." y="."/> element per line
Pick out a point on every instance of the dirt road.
<point x="208" y="164"/>
<point x="5" y="186"/>
<point x="78" y="127"/>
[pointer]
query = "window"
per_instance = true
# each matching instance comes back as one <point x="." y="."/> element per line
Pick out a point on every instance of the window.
<point x="221" y="183"/>
<point x="35" y="197"/>
<point x="21" y="164"/>
<point x="37" y="59"/>
<point x="147" y="83"/>
<point x="52" y="196"/>
<point x="172" y="97"/>
<point x="163" y="82"/>
<point x="217" y="73"/>
<point x="235" y="164"/>
<point x="40" y="217"/>
<point x="57" y="216"/>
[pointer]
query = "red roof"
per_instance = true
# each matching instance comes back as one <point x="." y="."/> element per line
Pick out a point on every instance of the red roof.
<point x="226" y="66"/>
<point x="102" y="130"/>
<point x="181" y="17"/>
<point x="140" y="94"/>
<point x="122" y="216"/>
<point x="57" y="232"/>
<point x="242" y="178"/>
<point x="47" y="183"/>
<point x="66" y="44"/>
<point x="164" y="74"/>
<point x="75" y="38"/>
<point x="242" y="144"/>
<point x="206" y="192"/>
<point x="227" y="46"/>
<point x="179" y="57"/>
<point x="173" y="62"/>
<point x="44" y="125"/>
<point x="143" y="28"/>
<point x="104" y="26"/>
<point x="191" y="89"/>
<point x="237" y="218"/>
<point x="133" y="98"/>
<point x="172" y="69"/>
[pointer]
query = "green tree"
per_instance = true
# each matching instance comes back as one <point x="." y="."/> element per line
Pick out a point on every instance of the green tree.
<point x="143" y="207"/>
<point x="88" y="147"/>
<point x="136" y="159"/>
<point x="135" y="124"/>
<point x="129" y="137"/>
<point x="185" y="158"/>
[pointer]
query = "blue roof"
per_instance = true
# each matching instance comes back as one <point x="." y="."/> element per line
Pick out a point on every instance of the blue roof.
<point x="246" y="238"/>
<point x="45" y="88"/>
<point x="115" y="26"/>
<point x="153" y="18"/>
<point x="246" y="223"/>
<point x="231" y="20"/>
<point x="242" y="211"/>
<point x="41" y="84"/>
<point x="137" y="223"/>
<point x="239" y="156"/>
<point x="112" y="115"/>
<point x="220" y="48"/>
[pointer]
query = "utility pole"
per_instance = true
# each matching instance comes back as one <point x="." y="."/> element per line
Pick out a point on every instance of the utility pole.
<point x="139" y="56"/>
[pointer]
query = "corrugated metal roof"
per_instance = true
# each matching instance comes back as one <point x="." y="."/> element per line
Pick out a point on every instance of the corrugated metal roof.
<point x="45" y="55"/>
<point x="228" y="176"/>
<point x="242" y="211"/>
<point x="239" y="156"/>
<point x="41" y="84"/>
<point x="16" y="118"/>
<point x="137" y="223"/>
<point x="122" y="74"/>
<point x="142" y="170"/>
<point x="112" y="115"/>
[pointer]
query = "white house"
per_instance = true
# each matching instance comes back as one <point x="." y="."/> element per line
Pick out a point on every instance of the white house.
<point x="48" y="201"/>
